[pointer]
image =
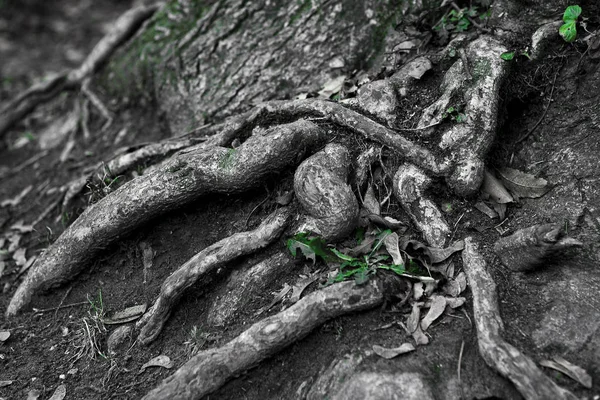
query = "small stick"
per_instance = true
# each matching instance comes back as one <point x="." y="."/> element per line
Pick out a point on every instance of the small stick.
<point x="61" y="302"/>
<point x="44" y="310"/>
<point x="460" y="355"/>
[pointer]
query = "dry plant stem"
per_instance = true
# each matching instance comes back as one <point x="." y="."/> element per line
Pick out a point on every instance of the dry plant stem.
<point x="210" y="369"/>
<point x="123" y="29"/>
<point x="507" y="360"/>
<point x="187" y="176"/>
<point x="204" y="263"/>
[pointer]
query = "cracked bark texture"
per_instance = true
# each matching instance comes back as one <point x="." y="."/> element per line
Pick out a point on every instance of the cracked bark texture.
<point x="240" y="53"/>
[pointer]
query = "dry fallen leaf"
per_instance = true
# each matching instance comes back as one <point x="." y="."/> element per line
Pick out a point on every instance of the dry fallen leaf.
<point x="484" y="208"/>
<point x="5" y="383"/>
<point x="494" y="187"/>
<point x="300" y="286"/>
<point x="127" y="315"/>
<point x="522" y="184"/>
<point x="439" y="255"/>
<point x="571" y="370"/>
<point x="158" y="361"/>
<point x="19" y="256"/>
<point x="391" y="244"/>
<point x="4" y="336"/>
<point x="333" y="86"/>
<point x="438" y="305"/>
<point x="388" y="353"/>
<point x="59" y="393"/>
<point x="370" y="202"/>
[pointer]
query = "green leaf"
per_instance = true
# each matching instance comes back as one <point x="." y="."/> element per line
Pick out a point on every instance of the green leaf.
<point x="342" y="256"/>
<point x="311" y="247"/>
<point x="568" y="31"/>
<point x="572" y="13"/>
<point x="507" y="56"/>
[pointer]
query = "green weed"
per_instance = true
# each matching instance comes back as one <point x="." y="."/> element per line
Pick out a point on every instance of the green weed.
<point x="454" y="114"/>
<point x="360" y="267"/>
<point x="92" y="330"/>
<point x="568" y="30"/>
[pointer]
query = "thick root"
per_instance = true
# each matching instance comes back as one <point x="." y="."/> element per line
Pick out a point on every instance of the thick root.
<point x="529" y="380"/>
<point x="468" y="142"/>
<point x="321" y="188"/>
<point x="410" y="184"/>
<point x="528" y="248"/>
<point x="124" y="28"/>
<point x="204" y="263"/>
<point x="188" y="175"/>
<point x="210" y="369"/>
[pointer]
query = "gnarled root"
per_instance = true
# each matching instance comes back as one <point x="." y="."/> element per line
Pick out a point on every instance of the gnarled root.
<point x="124" y="28"/>
<point x="205" y="262"/>
<point x="321" y="188"/>
<point x="410" y="184"/>
<point x="188" y="175"/>
<point x="529" y="380"/>
<point x="467" y="142"/>
<point x="210" y="369"/>
<point x="528" y="248"/>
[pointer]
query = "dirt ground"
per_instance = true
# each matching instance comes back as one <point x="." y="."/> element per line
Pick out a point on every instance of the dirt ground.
<point x="550" y="312"/>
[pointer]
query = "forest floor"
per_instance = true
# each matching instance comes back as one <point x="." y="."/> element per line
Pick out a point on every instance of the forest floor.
<point x="554" y="311"/>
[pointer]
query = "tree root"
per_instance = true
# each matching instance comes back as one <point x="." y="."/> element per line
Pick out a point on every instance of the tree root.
<point x="210" y="369"/>
<point x="409" y="185"/>
<point x="321" y="188"/>
<point x="202" y="264"/>
<point x="124" y="28"/>
<point x="529" y="380"/>
<point x="186" y="176"/>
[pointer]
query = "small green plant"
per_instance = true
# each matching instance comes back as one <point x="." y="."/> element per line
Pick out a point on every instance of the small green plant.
<point x="197" y="340"/>
<point x="460" y="20"/>
<point x="568" y="30"/>
<point x="454" y="114"/>
<point x="510" y="55"/>
<point x="360" y="267"/>
<point x="92" y="330"/>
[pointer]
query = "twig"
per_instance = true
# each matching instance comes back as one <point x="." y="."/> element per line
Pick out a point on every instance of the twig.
<point x="44" y="310"/>
<point x="61" y="302"/>
<point x="525" y="136"/>
<point x="254" y="209"/>
<point x="460" y="355"/>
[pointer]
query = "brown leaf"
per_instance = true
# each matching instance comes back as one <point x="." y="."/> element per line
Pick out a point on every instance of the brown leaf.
<point x="484" y="208"/>
<point x="495" y="188"/>
<point x="370" y="202"/>
<point x="388" y="353"/>
<point x="439" y="255"/>
<point x="573" y="371"/>
<point x="438" y="305"/>
<point x="522" y="184"/>
<point x="127" y="315"/>
<point x="59" y="393"/>
<point x="391" y="244"/>
<point x="158" y="361"/>
<point x="4" y="336"/>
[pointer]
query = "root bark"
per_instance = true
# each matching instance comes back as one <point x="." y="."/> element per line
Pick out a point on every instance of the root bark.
<point x="529" y="380"/>
<point x="204" y="263"/>
<point x="210" y="369"/>
<point x="188" y="175"/>
<point x="25" y="103"/>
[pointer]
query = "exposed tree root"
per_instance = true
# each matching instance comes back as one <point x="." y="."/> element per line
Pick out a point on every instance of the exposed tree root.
<point x="321" y="188"/>
<point x="528" y="248"/>
<point x="204" y="263"/>
<point x="124" y="28"/>
<point x="210" y="369"/>
<point x="410" y="184"/>
<point x="187" y="176"/>
<point x="529" y="380"/>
